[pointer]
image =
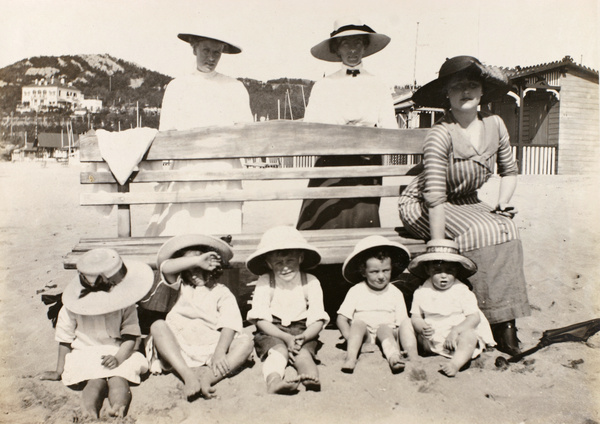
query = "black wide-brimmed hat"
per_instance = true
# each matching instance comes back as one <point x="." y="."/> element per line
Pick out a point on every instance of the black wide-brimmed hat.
<point x="228" y="48"/>
<point x="494" y="81"/>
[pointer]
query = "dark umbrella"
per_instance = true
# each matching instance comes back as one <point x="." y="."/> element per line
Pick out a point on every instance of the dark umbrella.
<point x="579" y="332"/>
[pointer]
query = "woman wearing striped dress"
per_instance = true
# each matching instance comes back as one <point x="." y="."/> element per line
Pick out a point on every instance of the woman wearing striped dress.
<point x="460" y="152"/>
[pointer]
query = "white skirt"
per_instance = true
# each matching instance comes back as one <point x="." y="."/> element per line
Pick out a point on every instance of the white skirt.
<point x="86" y="364"/>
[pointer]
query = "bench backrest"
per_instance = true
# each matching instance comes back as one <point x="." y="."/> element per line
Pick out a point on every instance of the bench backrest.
<point x="273" y="139"/>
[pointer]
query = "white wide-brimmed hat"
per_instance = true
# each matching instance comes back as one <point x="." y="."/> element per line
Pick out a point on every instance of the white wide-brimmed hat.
<point x="398" y="252"/>
<point x="281" y="238"/>
<point x="106" y="283"/>
<point x="347" y="27"/>
<point x="229" y="48"/>
<point x="177" y="243"/>
<point x="442" y="250"/>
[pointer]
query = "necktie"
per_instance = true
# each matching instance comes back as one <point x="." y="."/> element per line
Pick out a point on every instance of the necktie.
<point x="353" y="72"/>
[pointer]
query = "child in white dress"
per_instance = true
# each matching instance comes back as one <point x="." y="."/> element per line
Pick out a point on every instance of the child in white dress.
<point x="444" y="311"/>
<point x="97" y="330"/>
<point x="373" y="309"/>
<point x="203" y="330"/>
<point x="287" y="309"/>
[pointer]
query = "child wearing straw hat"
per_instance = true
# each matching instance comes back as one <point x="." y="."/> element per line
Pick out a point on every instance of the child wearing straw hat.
<point x="97" y="330"/>
<point x="373" y="309"/>
<point x="444" y="311"/>
<point x="287" y="309"/>
<point x="204" y="327"/>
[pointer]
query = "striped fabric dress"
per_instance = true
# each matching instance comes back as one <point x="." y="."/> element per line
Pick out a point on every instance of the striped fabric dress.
<point x="453" y="172"/>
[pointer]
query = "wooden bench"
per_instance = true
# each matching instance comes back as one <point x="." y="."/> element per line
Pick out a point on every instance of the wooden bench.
<point x="274" y="139"/>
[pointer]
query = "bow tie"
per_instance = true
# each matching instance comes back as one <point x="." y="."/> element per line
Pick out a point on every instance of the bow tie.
<point x="353" y="72"/>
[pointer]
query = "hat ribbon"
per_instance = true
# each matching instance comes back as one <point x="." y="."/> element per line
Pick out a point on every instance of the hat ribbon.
<point x="102" y="283"/>
<point x="364" y="28"/>
<point x="442" y="249"/>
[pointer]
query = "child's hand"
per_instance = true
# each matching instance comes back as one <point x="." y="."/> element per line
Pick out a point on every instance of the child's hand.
<point x="450" y="342"/>
<point x="220" y="364"/>
<point x="427" y="331"/>
<point x="109" y="362"/>
<point x="209" y="261"/>
<point x="298" y="343"/>
<point x="50" y="375"/>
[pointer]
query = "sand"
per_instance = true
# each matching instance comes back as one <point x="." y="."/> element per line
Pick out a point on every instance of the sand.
<point x="41" y="220"/>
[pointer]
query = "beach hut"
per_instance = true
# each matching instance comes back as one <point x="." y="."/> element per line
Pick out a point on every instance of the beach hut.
<point x="552" y="115"/>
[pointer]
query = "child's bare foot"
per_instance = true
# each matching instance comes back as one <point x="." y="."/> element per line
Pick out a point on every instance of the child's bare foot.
<point x="311" y="382"/>
<point x="349" y="365"/>
<point x="276" y="385"/>
<point x="191" y="386"/>
<point x="396" y="363"/>
<point x="450" y="369"/>
<point x="117" y="411"/>
<point x="208" y="391"/>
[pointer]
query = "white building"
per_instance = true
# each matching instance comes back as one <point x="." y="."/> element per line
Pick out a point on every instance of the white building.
<point x="46" y="94"/>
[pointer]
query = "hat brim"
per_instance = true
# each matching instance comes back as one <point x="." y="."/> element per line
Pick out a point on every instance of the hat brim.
<point x="177" y="243"/>
<point x="134" y="286"/>
<point x="432" y="94"/>
<point x="228" y="49"/>
<point x="257" y="264"/>
<point x="351" y="266"/>
<point x="377" y="42"/>
<point x="418" y="264"/>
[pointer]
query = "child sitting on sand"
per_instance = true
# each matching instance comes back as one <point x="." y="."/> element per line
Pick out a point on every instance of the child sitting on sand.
<point x="287" y="309"/>
<point x="444" y="311"/>
<point x="97" y="330"/>
<point x="374" y="310"/>
<point x="204" y="327"/>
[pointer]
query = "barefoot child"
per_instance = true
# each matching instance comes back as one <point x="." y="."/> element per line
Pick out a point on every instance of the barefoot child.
<point x="374" y="310"/>
<point x="97" y="330"/>
<point x="444" y="311"/>
<point x="287" y="309"/>
<point x="204" y="327"/>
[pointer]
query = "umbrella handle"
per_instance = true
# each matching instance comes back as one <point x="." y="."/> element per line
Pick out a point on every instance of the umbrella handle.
<point x="521" y="355"/>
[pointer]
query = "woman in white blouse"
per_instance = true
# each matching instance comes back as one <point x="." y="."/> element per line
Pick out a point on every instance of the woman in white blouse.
<point x="350" y="96"/>
<point x="203" y="98"/>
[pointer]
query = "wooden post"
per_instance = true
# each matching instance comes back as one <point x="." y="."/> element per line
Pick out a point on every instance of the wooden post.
<point x="124" y="215"/>
<point x="520" y="140"/>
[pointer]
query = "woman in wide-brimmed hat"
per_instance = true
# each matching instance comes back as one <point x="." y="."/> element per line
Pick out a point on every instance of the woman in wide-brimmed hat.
<point x="97" y="329"/>
<point x="460" y="154"/>
<point x="203" y="98"/>
<point x="350" y="96"/>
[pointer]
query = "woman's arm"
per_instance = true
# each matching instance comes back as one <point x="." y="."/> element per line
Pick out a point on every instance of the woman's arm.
<point x="508" y="184"/>
<point x="437" y="222"/>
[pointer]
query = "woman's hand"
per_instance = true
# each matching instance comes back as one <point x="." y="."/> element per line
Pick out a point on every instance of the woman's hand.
<point x="505" y="209"/>
<point x="109" y="361"/>
<point x="209" y="261"/>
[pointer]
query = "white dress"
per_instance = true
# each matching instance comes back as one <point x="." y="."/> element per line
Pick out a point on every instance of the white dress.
<point x="93" y="336"/>
<point x="194" y="101"/>
<point x="444" y="309"/>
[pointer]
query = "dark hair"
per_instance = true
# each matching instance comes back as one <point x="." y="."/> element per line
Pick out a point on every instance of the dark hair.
<point x="334" y="43"/>
<point x="211" y="278"/>
<point x="381" y="253"/>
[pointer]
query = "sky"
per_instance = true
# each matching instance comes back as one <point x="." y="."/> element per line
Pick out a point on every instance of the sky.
<point x="276" y="35"/>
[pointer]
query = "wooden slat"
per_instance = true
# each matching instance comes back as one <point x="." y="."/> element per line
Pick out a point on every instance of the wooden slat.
<point x="334" y="245"/>
<point x="273" y="138"/>
<point x="146" y="176"/>
<point x="145" y="198"/>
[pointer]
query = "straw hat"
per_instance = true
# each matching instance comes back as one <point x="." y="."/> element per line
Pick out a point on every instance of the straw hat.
<point x="229" y="48"/>
<point x="345" y="28"/>
<point x="281" y="238"/>
<point x="351" y="267"/>
<point x="105" y="283"/>
<point x="494" y="80"/>
<point x="442" y="250"/>
<point x="177" y="243"/>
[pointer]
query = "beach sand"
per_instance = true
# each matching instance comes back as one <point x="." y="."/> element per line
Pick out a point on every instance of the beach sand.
<point x="41" y="220"/>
